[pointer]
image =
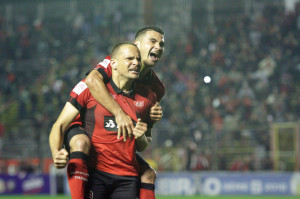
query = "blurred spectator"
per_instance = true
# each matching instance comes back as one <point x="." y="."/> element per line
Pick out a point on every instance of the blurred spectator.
<point x="253" y="62"/>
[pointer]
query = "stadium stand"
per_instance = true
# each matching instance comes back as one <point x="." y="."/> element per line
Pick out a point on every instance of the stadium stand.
<point x="251" y="53"/>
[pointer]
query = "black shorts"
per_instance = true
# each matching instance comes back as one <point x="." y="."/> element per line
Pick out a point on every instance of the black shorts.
<point x="106" y="185"/>
<point x="73" y="130"/>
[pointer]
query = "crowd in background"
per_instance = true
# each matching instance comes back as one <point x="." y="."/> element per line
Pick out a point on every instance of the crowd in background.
<point x="253" y="63"/>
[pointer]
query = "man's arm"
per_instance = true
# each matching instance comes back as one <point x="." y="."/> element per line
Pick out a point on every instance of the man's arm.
<point x="141" y="143"/>
<point x="56" y="136"/>
<point x="140" y="132"/>
<point x="99" y="91"/>
<point x="156" y="113"/>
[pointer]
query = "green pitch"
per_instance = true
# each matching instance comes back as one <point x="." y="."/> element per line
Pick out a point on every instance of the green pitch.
<point x="158" y="197"/>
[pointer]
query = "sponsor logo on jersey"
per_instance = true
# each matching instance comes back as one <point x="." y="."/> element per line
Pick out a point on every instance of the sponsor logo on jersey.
<point x="139" y="103"/>
<point x="110" y="123"/>
<point x="79" y="88"/>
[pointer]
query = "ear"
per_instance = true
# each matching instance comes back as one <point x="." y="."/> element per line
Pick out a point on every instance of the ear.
<point x="113" y="64"/>
<point x="137" y="43"/>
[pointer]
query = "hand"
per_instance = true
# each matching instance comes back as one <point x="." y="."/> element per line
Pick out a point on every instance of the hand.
<point x="156" y="112"/>
<point x="60" y="159"/>
<point x="125" y="125"/>
<point x="140" y="129"/>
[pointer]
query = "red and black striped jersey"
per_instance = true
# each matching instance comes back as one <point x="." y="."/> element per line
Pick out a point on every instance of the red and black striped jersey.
<point x="108" y="153"/>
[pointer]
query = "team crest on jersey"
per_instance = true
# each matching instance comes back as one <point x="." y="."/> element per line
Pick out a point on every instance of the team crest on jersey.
<point x="91" y="195"/>
<point x="139" y="104"/>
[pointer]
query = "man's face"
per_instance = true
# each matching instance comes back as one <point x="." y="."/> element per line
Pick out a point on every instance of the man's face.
<point x="151" y="46"/>
<point x="129" y="62"/>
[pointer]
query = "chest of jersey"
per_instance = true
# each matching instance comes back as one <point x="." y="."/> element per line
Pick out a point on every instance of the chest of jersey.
<point x="100" y="124"/>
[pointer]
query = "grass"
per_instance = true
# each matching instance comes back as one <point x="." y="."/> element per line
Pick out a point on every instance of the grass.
<point x="158" y="197"/>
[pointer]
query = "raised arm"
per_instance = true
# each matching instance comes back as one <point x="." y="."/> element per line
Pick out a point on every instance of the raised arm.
<point x="99" y="91"/>
<point x="56" y="137"/>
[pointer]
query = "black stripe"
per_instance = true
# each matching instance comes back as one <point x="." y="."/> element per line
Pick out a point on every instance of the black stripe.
<point x="104" y="75"/>
<point x="73" y="130"/>
<point x="75" y="103"/>
<point x="79" y="155"/>
<point x="147" y="186"/>
<point x="88" y="73"/>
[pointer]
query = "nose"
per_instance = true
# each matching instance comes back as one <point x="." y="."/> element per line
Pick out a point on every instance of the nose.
<point x="158" y="46"/>
<point x="135" y="62"/>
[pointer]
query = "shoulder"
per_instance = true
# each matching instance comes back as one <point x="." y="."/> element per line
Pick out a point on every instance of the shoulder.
<point x="145" y="92"/>
<point x="157" y="85"/>
<point x="156" y="79"/>
<point x="105" y="63"/>
<point x="80" y="87"/>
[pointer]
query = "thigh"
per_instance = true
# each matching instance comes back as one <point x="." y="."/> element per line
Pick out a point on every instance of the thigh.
<point x="98" y="186"/>
<point x="126" y="188"/>
<point x="142" y="163"/>
<point x="72" y="131"/>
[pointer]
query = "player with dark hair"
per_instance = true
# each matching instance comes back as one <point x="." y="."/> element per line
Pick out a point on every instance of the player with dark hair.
<point x="114" y="172"/>
<point x="150" y="41"/>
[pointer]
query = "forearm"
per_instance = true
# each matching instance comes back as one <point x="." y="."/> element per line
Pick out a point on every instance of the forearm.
<point x="56" y="138"/>
<point x="99" y="91"/>
<point x="141" y="143"/>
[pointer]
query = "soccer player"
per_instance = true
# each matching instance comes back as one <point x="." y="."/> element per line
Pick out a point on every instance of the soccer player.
<point x="115" y="173"/>
<point x="150" y="41"/>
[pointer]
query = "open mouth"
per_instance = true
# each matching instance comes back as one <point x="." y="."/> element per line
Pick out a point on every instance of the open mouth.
<point x="154" y="56"/>
<point x="134" y="70"/>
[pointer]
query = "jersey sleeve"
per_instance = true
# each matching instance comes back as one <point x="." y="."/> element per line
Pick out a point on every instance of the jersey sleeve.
<point x="79" y="96"/>
<point x="104" y="69"/>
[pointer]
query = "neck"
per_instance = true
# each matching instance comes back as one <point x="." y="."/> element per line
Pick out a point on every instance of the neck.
<point x="123" y="83"/>
<point x="144" y="70"/>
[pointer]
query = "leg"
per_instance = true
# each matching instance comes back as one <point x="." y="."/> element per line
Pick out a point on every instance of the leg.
<point x="148" y="177"/>
<point x="125" y="187"/>
<point x="99" y="185"/>
<point x="78" y="143"/>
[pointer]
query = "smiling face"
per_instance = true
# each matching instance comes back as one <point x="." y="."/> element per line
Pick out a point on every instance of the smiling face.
<point x="151" y="46"/>
<point x="127" y="62"/>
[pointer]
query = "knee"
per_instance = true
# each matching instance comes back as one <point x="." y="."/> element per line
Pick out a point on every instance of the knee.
<point x="80" y="143"/>
<point x="149" y="176"/>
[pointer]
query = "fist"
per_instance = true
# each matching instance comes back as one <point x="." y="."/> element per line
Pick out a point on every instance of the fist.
<point x="60" y="159"/>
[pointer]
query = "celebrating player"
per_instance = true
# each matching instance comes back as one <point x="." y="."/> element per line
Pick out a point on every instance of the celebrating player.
<point x="150" y="41"/>
<point x="115" y="169"/>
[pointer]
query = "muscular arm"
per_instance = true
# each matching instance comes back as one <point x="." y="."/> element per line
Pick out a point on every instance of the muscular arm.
<point x="140" y="132"/>
<point x="56" y="136"/>
<point x="99" y="91"/>
<point x="141" y="143"/>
